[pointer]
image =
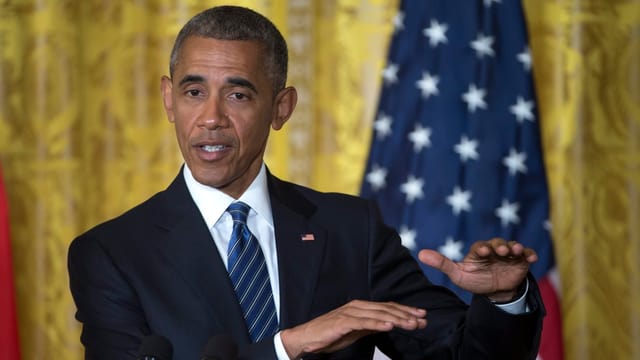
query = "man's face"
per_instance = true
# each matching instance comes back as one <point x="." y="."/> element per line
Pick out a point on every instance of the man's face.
<point x="222" y="104"/>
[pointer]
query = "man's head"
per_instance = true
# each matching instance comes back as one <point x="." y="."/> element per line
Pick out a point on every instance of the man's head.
<point x="225" y="94"/>
<point x="238" y="23"/>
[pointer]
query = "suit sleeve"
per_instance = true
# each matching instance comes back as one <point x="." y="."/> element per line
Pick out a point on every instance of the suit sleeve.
<point x="454" y="330"/>
<point x="113" y="322"/>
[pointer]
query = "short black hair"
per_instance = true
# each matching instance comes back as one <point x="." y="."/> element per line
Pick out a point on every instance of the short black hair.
<point x="238" y="23"/>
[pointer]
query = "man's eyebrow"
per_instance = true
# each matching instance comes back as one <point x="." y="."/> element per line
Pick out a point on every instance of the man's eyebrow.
<point x="192" y="79"/>
<point x="233" y="80"/>
<point x="242" y="82"/>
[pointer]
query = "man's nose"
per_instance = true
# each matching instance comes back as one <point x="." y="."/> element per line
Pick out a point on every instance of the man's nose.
<point x="214" y="116"/>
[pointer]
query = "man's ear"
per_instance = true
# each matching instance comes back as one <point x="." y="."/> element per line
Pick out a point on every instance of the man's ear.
<point x="286" y="101"/>
<point x="166" y="87"/>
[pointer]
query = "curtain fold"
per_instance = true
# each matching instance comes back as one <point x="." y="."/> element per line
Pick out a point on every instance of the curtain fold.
<point x="83" y="137"/>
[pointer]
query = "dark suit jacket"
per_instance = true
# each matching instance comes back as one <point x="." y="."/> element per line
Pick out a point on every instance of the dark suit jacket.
<point x="155" y="269"/>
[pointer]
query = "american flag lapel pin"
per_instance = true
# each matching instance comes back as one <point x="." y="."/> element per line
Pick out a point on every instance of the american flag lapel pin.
<point x="307" y="237"/>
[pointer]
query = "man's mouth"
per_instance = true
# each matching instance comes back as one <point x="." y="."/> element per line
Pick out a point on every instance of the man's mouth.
<point x="212" y="148"/>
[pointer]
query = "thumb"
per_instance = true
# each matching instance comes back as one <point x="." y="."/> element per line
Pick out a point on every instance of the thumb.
<point x="438" y="261"/>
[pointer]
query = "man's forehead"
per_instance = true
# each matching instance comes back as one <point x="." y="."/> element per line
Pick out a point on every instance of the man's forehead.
<point x="206" y="52"/>
<point x="195" y="42"/>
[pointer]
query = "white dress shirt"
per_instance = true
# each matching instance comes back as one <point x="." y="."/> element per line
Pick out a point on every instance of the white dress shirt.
<point x="213" y="204"/>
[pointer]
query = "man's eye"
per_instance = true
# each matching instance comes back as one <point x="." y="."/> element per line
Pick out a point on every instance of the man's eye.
<point x="194" y="92"/>
<point x="239" y="96"/>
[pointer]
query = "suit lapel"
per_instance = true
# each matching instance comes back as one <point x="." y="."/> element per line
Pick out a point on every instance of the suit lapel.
<point x="192" y="252"/>
<point x="189" y="248"/>
<point x="300" y="244"/>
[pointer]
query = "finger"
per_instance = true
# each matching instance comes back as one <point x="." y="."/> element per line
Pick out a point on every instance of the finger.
<point x="406" y="317"/>
<point x="530" y="255"/>
<point x="348" y="322"/>
<point x="519" y="251"/>
<point x="501" y="247"/>
<point x="388" y="306"/>
<point x="363" y="323"/>
<point x="393" y="313"/>
<point x="347" y="319"/>
<point x="482" y="249"/>
<point x="515" y="248"/>
<point x="438" y="261"/>
<point x="498" y="247"/>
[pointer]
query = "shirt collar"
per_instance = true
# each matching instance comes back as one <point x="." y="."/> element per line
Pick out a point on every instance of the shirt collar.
<point x="213" y="203"/>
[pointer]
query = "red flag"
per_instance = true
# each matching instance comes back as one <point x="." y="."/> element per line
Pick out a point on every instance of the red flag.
<point x="9" y="344"/>
<point x="551" y="342"/>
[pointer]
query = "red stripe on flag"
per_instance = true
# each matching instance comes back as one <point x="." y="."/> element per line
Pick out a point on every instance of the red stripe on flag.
<point x="9" y="344"/>
<point x="551" y="347"/>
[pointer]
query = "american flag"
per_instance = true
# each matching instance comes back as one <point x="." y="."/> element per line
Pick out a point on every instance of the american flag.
<point x="455" y="152"/>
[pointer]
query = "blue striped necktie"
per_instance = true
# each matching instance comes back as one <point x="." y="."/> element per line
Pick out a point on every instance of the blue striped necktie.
<point x="248" y="272"/>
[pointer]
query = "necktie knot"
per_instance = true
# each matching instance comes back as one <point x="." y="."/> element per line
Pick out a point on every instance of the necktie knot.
<point x="239" y="211"/>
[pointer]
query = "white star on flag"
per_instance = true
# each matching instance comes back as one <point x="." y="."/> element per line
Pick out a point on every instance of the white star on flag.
<point x="390" y="74"/>
<point x="488" y="3"/>
<point x="420" y="137"/>
<point x="515" y="162"/>
<point x="408" y="237"/>
<point x="452" y="249"/>
<point x="467" y="149"/>
<point x="412" y="188"/>
<point x="377" y="177"/>
<point x="428" y="85"/>
<point x="474" y="98"/>
<point x="525" y="58"/>
<point x="436" y="33"/>
<point x="398" y="21"/>
<point x="522" y="109"/>
<point x="459" y="200"/>
<point x="508" y="213"/>
<point x="382" y="125"/>
<point x="482" y="45"/>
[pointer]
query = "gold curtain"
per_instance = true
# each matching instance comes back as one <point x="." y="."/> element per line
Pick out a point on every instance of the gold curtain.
<point x="587" y="66"/>
<point x="83" y="137"/>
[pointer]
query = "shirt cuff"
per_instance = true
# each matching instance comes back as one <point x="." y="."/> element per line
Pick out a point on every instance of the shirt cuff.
<point x="281" y="353"/>
<point x="518" y="306"/>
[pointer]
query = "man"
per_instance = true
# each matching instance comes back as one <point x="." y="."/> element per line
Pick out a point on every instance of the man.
<point x="334" y="280"/>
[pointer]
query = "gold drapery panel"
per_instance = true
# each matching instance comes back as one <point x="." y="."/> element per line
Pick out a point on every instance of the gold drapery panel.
<point x="587" y="66"/>
<point x="83" y="137"/>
